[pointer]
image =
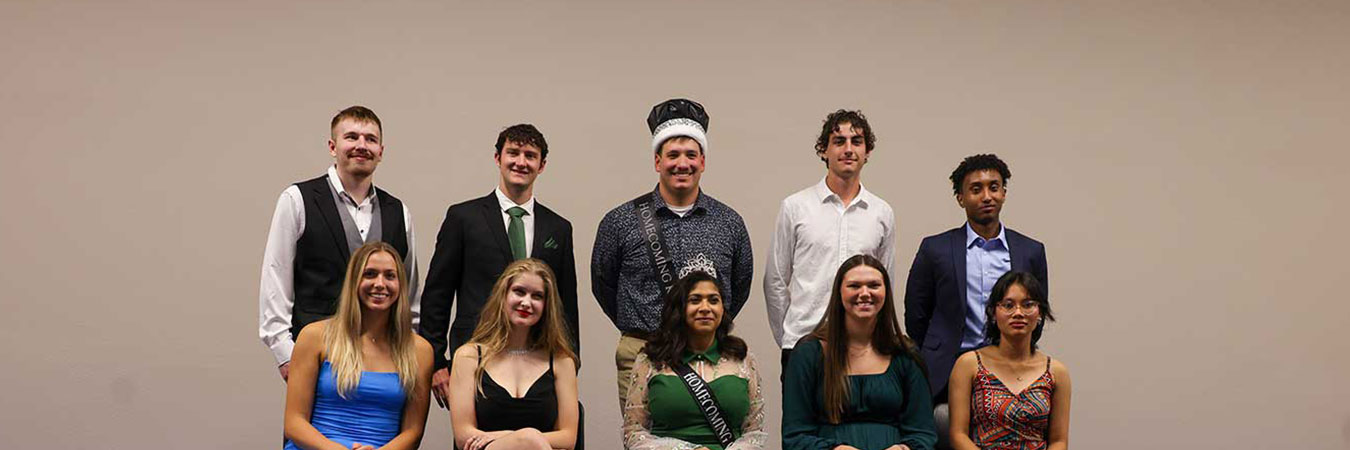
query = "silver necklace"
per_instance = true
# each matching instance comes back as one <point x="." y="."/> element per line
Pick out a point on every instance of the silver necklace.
<point x="517" y="351"/>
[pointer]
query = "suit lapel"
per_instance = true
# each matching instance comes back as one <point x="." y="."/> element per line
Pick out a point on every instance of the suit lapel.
<point x="958" y="245"/>
<point x="493" y="215"/>
<point x="543" y="229"/>
<point x="1016" y="250"/>
<point x="329" y="214"/>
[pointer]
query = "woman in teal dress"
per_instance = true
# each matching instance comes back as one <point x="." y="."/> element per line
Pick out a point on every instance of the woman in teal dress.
<point x="661" y="414"/>
<point x="361" y="379"/>
<point x="857" y="382"/>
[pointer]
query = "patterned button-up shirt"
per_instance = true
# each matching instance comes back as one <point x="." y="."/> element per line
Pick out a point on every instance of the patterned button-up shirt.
<point x="711" y="235"/>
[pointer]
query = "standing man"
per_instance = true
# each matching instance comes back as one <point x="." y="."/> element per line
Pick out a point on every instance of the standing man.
<point x="644" y="245"/>
<point x="954" y="271"/>
<point x="821" y="226"/>
<point x="317" y="225"/>
<point x="480" y="237"/>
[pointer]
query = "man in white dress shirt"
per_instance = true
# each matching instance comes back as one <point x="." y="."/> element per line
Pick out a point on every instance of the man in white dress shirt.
<point x="821" y="226"/>
<point x="317" y="225"/>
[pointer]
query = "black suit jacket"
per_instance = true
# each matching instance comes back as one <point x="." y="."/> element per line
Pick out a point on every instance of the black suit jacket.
<point x="935" y="295"/>
<point x="472" y="250"/>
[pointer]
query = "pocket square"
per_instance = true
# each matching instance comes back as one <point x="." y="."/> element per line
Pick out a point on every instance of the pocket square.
<point x="551" y="244"/>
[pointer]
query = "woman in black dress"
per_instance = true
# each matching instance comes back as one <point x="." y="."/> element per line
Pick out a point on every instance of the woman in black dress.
<point x="514" y="384"/>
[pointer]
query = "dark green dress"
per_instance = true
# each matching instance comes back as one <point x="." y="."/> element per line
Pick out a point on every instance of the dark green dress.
<point x="892" y="407"/>
<point x="670" y="419"/>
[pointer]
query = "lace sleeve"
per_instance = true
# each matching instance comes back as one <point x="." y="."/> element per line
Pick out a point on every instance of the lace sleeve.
<point x="637" y="424"/>
<point x="753" y="436"/>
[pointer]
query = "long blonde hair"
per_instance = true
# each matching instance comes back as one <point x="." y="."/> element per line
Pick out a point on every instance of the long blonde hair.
<point x="342" y="337"/>
<point x="549" y="334"/>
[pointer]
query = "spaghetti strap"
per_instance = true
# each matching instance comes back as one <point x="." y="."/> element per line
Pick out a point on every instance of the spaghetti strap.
<point x="977" y="358"/>
<point x="1047" y="363"/>
<point x="550" y="363"/>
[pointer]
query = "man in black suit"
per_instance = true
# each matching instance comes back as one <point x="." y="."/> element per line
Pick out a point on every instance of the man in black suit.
<point x="954" y="271"/>
<point x="480" y="237"/>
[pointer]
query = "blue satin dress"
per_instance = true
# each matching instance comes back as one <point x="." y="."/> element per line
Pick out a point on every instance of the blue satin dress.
<point x="371" y="413"/>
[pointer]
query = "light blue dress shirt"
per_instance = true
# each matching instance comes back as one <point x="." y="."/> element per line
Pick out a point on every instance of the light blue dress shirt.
<point x="986" y="261"/>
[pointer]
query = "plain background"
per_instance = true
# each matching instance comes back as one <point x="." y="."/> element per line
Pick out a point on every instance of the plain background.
<point x="1184" y="163"/>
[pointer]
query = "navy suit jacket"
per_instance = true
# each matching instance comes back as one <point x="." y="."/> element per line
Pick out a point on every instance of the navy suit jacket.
<point x="472" y="250"/>
<point x="935" y="295"/>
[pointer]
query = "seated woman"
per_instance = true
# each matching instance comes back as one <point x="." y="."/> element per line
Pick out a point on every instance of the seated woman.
<point x="857" y="382"/>
<point x="514" y="384"/>
<point x="1016" y="397"/>
<point x="694" y="339"/>
<point x="361" y="379"/>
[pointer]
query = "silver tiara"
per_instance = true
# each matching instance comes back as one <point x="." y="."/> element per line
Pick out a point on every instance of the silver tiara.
<point x="698" y="263"/>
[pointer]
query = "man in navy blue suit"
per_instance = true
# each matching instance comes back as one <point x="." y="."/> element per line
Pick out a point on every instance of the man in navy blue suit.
<point x="953" y="272"/>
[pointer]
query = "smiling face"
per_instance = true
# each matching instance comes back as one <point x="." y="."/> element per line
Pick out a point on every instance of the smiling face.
<point x="680" y="165"/>
<point x="378" y="289"/>
<point x="845" y="152"/>
<point x="982" y="195"/>
<point x="356" y="146"/>
<point x="519" y="163"/>
<point x="863" y="292"/>
<point x="1017" y="314"/>
<point x="703" y="309"/>
<point x="525" y="300"/>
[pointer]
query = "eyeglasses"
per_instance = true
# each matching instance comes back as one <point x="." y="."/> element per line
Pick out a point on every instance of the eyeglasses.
<point x="1026" y="306"/>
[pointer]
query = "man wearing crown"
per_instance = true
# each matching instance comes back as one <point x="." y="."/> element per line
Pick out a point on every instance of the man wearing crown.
<point x="644" y="245"/>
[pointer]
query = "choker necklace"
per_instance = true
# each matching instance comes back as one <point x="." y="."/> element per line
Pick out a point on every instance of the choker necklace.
<point x="517" y="351"/>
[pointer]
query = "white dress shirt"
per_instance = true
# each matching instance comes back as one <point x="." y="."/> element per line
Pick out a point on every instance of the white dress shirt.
<point x="814" y="234"/>
<point x="527" y="219"/>
<point x="276" y="296"/>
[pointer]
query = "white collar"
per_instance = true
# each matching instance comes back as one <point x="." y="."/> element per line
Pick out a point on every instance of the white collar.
<point x="337" y="186"/>
<point x="506" y="203"/>
<point x="823" y="193"/>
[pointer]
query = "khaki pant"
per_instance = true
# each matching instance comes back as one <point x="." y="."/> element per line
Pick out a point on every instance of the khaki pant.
<point x="624" y="354"/>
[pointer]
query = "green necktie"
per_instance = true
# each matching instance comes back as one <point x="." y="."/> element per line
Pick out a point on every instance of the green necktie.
<point x="516" y="232"/>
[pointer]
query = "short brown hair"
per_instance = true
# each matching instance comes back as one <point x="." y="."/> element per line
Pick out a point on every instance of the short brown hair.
<point x="523" y="134"/>
<point x="357" y="113"/>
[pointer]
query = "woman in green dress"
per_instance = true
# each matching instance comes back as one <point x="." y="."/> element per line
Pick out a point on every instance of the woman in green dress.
<point x="661" y="414"/>
<point x="857" y="382"/>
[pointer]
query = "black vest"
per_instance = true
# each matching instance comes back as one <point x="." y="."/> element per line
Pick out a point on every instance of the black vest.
<point x="321" y="253"/>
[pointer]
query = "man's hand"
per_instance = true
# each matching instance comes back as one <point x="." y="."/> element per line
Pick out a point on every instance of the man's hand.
<point x="898" y="447"/>
<point x="846" y="447"/>
<point x="285" y="370"/>
<point x="440" y="387"/>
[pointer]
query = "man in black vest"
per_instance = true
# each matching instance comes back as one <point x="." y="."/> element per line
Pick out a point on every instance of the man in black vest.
<point x="480" y="237"/>
<point x="317" y="225"/>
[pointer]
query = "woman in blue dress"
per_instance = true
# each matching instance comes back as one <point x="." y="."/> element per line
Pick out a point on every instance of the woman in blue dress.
<point x="360" y="380"/>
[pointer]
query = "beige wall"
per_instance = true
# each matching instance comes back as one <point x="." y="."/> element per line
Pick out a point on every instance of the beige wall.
<point x="1181" y="161"/>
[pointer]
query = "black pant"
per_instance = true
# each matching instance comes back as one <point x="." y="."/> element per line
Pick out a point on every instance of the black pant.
<point x="787" y="354"/>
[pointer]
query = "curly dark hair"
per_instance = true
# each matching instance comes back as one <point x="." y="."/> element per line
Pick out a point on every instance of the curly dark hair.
<point x="523" y="134"/>
<point x="840" y="117"/>
<point x="976" y="163"/>
<point x="1035" y="291"/>
<point x="672" y="337"/>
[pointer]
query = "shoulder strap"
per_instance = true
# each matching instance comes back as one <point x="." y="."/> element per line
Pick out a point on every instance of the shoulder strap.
<point x="707" y="402"/>
<point x="654" y="236"/>
<point x="977" y="358"/>
<point x="1047" y="363"/>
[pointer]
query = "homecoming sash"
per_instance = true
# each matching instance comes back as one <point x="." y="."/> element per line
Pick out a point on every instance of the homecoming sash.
<point x="654" y="239"/>
<point x="707" y="402"/>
